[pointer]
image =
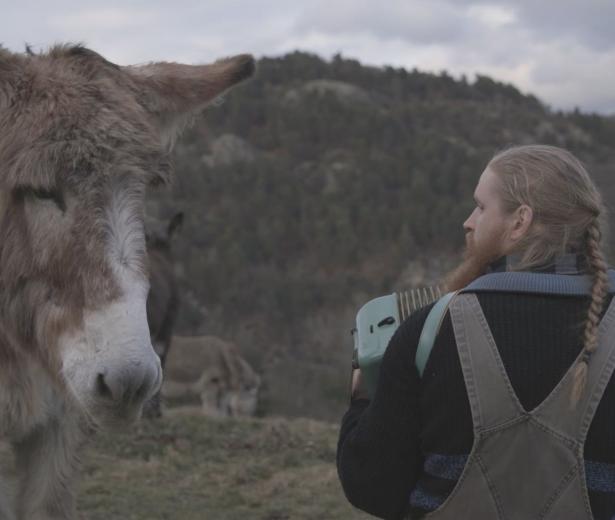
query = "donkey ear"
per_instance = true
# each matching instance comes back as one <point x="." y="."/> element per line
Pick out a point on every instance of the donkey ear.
<point x="9" y="75"/>
<point x="8" y="72"/>
<point x="174" y="93"/>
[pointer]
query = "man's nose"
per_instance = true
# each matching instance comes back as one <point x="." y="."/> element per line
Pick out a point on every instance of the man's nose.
<point x="468" y="225"/>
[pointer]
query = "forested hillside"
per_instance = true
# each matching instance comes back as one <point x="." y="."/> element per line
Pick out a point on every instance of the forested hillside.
<point x="320" y="185"/>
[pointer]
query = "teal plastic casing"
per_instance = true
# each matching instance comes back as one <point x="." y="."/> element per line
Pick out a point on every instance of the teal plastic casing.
<point x="376" y="323"/>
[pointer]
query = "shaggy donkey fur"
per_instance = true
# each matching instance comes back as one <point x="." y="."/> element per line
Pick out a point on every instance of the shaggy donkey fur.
<point x="80" y="138"/>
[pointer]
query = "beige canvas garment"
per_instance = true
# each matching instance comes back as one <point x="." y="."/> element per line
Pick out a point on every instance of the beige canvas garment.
<point x="523" y="465"/>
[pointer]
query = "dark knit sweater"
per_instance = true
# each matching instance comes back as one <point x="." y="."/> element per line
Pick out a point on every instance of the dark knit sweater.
<point x="404" y="450"/>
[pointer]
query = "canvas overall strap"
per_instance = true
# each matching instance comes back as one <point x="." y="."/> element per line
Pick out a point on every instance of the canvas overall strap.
<point x="492" y="403"/>
<point x="492" y="399"/>
<point x="522" y="464"/>
<point x="488" y="370"/>
<point x="556" y="411"/>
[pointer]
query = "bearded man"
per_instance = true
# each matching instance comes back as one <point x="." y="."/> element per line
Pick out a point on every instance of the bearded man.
<point x="514" y="413"/>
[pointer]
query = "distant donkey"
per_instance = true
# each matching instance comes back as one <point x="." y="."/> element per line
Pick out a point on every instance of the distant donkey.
<point x="212" y="372"/>
<point x="163" y="297"/>
<point x="80" y="138"/>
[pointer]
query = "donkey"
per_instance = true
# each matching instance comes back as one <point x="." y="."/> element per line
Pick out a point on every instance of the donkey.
<point x="80" y="138"/>
<point x="163" y="297"/>
<point x="212" y="372"/>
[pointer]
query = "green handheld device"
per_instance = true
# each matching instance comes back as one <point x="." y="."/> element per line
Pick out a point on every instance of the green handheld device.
<point x="378" y="320"/>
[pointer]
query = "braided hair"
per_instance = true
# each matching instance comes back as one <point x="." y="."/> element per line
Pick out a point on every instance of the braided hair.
<point x="568" y="216"/>
<point x="598" y="269"/>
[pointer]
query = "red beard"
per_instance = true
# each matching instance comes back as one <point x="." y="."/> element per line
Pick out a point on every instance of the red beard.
<point x="476" y="260"/>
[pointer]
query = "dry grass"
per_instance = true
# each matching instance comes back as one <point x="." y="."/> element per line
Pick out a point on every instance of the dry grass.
<point x="188" y="467"/>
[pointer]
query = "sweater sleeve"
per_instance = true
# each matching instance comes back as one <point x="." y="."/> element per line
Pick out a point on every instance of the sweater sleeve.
<point x="378" y="455"/>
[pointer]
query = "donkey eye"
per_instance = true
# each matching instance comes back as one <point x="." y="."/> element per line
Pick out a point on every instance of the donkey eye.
<point x="44" y="194"/>
<point x="54" y="196"/>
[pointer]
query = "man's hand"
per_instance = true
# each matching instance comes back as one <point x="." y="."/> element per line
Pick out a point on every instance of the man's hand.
<point x="356" y="389"/>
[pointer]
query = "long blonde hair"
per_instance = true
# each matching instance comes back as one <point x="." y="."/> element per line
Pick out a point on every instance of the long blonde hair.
<point x="568" y="216"/>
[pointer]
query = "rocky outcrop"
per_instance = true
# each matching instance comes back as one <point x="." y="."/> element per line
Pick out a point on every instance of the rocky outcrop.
<point x="228" y="149"/>
<point x="345" y="92"/>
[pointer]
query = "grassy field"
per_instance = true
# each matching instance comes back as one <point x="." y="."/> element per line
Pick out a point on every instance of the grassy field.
<point x="188" y="467"/>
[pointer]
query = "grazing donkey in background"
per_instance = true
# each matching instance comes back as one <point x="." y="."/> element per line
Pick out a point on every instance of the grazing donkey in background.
<point x="211" y="372"/>
<point x="80" y="138"/>
<point x="163" y="297"/>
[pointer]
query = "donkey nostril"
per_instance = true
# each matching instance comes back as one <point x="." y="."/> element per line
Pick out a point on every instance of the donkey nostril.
<point x="128" y="385"/>
<point x="102" y="388"/>
<point x="150" y="384"/>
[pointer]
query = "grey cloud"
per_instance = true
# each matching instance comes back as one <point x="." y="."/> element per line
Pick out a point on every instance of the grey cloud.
<point x="588" y="23"/>
<point x="550" y="48"/>
<point x="193" y="30"/>
<point x="448" y="24"/>
<point x="422" y="22"/>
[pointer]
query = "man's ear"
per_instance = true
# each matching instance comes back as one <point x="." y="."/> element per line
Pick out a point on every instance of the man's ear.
<point x="173" y="93"/>
<point x="521" y="221"/>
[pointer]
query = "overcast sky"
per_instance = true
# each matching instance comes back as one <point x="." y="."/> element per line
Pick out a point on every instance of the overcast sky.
<point x="563" y="51"/>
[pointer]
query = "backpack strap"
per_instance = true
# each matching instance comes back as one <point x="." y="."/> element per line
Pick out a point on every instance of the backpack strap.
<point x="430" y="331"/>
<point x="536" y="283"/>
<point x="512" y="282"/>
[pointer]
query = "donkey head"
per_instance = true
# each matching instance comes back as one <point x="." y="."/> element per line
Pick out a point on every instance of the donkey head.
<point x="80" y="139"/>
